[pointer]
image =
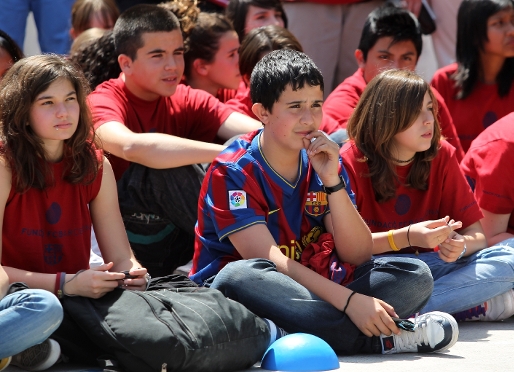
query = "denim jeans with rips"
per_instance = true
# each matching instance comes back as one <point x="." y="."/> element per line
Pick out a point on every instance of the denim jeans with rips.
<point x="404" y="283"/>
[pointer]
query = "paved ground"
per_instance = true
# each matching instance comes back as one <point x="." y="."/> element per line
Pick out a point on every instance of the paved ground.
<point x="485" y="347"/>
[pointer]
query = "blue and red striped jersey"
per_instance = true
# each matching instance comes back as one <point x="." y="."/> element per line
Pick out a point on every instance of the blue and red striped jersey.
<point x="241" y="189"/>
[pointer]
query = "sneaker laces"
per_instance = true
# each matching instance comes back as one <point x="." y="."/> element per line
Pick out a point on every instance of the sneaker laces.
<point x="470" y="314"/>
<point x="407" y="340"/>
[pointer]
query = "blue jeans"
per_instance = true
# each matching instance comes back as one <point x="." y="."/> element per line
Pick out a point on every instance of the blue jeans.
<point x="404" y="283"/>
<point x="470" y="281"/>
<point x="27" y="318"/>
<point x="52" y="17"/>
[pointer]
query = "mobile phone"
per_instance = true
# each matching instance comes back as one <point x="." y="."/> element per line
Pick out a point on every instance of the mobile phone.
<point x="404" y="324"/>
<point x="128" y="276"/>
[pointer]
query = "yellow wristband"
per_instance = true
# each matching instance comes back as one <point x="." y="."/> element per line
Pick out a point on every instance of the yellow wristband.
<point x="391" y="241"/>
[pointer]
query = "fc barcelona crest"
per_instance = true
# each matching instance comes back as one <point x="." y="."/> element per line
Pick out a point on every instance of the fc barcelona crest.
<point x="316" y="203"/>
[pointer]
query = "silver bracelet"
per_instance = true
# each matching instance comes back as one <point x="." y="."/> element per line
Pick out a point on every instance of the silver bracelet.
<point x="147" y="277"/>
<point x="463" y="252"/>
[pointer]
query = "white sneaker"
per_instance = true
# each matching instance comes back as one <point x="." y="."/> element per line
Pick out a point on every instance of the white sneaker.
<point x="435" y="331"/>
<point x="497" y="308"/>
<point x="38" y="357"/>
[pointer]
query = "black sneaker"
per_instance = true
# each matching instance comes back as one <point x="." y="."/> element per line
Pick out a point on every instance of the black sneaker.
<point x="434" y="331"/>
<point x="38" y="357"/>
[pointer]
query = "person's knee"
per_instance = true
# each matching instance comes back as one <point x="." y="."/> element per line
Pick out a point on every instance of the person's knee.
<point x="239" y="273"/>
<point x="420" y="280"/>
<point x="48" y="305"/>
<point x="413" y="272"/>
<point x="44" y="312"/>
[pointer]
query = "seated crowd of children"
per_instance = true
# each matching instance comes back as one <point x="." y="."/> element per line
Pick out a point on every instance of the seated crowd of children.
<point x="171" y="135"/>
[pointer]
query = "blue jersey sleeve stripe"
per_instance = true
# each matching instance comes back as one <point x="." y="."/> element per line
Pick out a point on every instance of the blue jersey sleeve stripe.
<point x="240" y="228"/>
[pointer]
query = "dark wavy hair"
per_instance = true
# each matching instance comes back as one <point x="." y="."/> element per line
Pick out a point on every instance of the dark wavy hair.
<point x="10" y="46"/>
<point x="471" y="36"/>
<point x="186" y="11"/>
<point x="389" y="105"/>
<point x="98" y="60"/>
<point x="21" y="148"/>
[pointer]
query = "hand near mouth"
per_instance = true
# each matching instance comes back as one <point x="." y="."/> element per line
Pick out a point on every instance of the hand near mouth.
<point x="323" y="154"/>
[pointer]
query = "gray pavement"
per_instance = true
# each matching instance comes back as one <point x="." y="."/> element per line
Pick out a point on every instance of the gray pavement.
<point x="482" y="346"/>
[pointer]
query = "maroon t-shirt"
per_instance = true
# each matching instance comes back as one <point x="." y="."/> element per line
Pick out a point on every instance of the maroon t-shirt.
<point x="476" y="112"/>
<point x="49" y="231"/>
<point x="448" y="194"/>
<point x="189" y="113"/>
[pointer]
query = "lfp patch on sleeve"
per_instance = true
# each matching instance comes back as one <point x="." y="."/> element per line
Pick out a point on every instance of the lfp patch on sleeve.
<point x="237" y="199"/>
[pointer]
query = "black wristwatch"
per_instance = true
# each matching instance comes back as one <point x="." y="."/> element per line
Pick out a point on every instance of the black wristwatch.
<point x="339" y="186"/>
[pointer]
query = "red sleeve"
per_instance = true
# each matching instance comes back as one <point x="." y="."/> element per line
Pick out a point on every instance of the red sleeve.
<point x="447" y="127"/>
<point x="489" y="167"/>
<point x="107" y="104"/>
<point x="202" y="112"/>
<point x="225" y="94"/>
<point x="242" y="103"/>
<point x="443" y="83"/>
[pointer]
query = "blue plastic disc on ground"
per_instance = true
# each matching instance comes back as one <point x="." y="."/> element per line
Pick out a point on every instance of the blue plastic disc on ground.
<point x="300" y="352"/>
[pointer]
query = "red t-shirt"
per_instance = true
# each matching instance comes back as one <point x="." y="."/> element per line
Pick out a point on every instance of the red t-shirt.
<point x="225" y="94"/>
<point x="448" y="194"/>
<point x="189" y="113"/>
<point x="242" y="103"/>
<point x="480" y="109"/>
<point x="48" y="231"/>
<point x="489" y="167"/>
<point x="340" y="104"/>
